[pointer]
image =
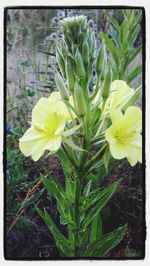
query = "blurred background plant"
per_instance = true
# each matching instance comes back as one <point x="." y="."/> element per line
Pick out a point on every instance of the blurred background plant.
<point x="31" y="37"/>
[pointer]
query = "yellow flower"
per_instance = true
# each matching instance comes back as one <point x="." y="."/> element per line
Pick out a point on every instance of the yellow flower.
<point x="60" y="106"/>
<point x="119" y="95"/>
<point x="125" y="140"/>
<point x="45" y="132"/>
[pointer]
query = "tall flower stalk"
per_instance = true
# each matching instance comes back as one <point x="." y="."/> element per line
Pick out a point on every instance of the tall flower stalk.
<point x="83" y="129"/>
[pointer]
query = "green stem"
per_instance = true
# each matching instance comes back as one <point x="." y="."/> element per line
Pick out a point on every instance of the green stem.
<point x="96" y="89"/>
<point x="89" y="164"/>
<point x="77" y="216"/>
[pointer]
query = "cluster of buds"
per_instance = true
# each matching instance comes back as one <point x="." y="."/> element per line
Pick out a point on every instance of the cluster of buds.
<point x="77" y="47"/>
<point x="75" y="55"/>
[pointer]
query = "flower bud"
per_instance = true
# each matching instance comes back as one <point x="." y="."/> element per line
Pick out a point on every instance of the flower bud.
<point x="61" y="86"/>
<point x="91" y="41"/>
<point x="79" y="65"/>
<point x="80" y="103"/>
<point x="85" y="53"/>
<point x="61" y="63"/>
<point x="100" y="60"/>
<point x="93" y="44"/>
<point x="107" y="82"/>
<point x="70" y="75"/>
<point x="132" y="99"/>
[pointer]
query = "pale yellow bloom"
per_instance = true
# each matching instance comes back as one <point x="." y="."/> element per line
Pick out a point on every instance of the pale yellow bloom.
<point x="45" y="132"/>
<point x="60" y="106"/>
<point x="119" y="95"/>
<point x="125" y="140"/>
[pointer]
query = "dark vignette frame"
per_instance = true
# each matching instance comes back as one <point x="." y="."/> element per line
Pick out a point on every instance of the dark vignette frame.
<point x="143" y="130"/>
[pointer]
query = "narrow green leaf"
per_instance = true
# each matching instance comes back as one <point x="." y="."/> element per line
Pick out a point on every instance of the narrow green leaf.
<point x="124" y="31"/>
<point x="68" y="172"/>
<point x="114" y="35"/>
<point x="113" y="21"/>
<point x="96" y="228"/>
<point x="53" y="187"/>
<point x="101" y="198"/>
<point x="87" y="188"/>
<point x="127" y="13"/>
<point x="93" y="178"/>
<point x="104" y="244"/>
<point x="63" y="203"/>
<point x="96" y="115"/>
<point x="111" y="242"/>
<point x="71" y="144"/>
<point x="62" y="242"/>
<point x="97" y="195"/>
<point x="133" y="35"/>
<point x="110" y="47"/>
<point x="106" y="159"/>
<point x="71" y="131"/>
<point x="134" y="73"/>
<point x="138" y="17"/>
<point x="133" y="55"/>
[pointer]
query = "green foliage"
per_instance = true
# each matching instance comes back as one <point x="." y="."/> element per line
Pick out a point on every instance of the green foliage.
<point x="121" y="43"/>
<point x="101" y="246"/>
<point x="93" y="201"/>
<point x="62" y="243"/>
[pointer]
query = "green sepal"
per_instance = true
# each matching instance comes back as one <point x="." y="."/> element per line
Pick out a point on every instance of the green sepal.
<point x="61" y="86"/>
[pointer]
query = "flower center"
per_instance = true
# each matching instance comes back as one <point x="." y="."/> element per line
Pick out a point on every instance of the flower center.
<point x="124" y="137"/>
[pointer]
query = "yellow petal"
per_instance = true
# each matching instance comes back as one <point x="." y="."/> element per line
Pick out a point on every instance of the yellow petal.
<point x="28" y="141"/>
<point x="60" y="106"/>
<point x="116" y="116"/>
<point x="41" y="111"/>
<point x="39" y="148"/>
<point x="32" y="143"/>
<point x="109" y="135"/>
<point x="55" y="96"/>
<point x="118" y="151"/>
<point x="133" y="118"/>
<point x="137" y="140"/>
<point x="59" y="123"/>
<point x="134" y="154"/>
<point x="53" y="144"/>
<point x="120" y="93"/>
